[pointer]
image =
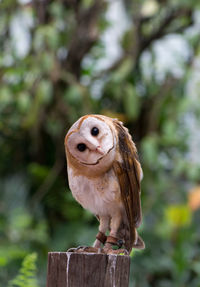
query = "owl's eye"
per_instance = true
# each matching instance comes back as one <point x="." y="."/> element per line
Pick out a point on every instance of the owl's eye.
<point x="81" y="147"/>
<point x="94" y="131"/>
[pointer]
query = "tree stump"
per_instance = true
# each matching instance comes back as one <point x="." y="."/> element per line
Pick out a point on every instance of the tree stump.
<point x="67" y="269"/>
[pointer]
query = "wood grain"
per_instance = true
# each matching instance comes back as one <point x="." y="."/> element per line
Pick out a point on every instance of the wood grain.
<point x="66" y="269"/>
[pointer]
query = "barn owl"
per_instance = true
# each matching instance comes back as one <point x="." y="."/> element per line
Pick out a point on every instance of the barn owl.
<point x="104" y="177"/>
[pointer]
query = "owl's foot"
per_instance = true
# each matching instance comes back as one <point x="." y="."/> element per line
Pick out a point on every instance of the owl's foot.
<point x="113" y="241"/>
<point x="83" y="249"/>
<point x="113" y="246"/>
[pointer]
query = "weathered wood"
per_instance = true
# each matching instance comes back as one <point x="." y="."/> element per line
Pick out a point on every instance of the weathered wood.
<point x="66" y="269"/>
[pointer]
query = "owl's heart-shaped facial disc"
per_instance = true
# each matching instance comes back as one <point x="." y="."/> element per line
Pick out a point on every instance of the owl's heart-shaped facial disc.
<point x="90" y="141"/>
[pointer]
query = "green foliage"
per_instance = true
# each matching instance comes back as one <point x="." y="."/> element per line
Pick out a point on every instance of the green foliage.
<point x="131" y="102"/>
<point x="27" y="273"/>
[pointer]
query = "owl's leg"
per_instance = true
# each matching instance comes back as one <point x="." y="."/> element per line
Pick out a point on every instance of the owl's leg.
<point x="112" y="239"/>
<point x="103" y="227"/>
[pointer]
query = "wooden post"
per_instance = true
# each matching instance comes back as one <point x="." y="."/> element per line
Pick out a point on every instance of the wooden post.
<point x="66" y="269"/>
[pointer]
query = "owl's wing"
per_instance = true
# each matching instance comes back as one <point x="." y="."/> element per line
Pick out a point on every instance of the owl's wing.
<point x="129" y="173"/>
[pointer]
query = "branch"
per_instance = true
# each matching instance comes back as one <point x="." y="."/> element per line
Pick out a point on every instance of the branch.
<point x="41" y="9"/>
<point x="141" y="43"/>
<point x="163" y="30"/>
<point x="85" y="35"/>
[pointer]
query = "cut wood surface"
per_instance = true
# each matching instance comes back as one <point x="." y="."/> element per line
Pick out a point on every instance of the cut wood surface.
<point x="66" y="269"/>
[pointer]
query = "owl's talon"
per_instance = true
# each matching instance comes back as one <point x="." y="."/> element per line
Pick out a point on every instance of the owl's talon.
<point x="75" y="249"/>
<point x="115" y="251"/>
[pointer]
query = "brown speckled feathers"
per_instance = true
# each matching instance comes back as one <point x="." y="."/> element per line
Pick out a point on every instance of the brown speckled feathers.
<point x="128" y="173"/>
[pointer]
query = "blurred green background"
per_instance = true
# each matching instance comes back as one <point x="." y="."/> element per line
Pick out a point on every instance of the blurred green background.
<point x="138" y="61"/>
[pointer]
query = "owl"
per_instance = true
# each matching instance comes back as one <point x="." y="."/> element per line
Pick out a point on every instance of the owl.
<point x="104" y="176"/>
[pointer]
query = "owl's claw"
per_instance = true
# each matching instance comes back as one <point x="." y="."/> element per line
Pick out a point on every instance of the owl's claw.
<point x="115" y="251"/>
<point x="75" y="249"/>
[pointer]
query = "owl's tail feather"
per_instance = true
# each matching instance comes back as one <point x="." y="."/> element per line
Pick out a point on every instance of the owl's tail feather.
<point x="139" y="244"/>
<point x="124" y="233"/>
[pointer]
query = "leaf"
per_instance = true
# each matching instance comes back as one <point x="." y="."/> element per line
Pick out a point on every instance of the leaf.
<point x="170" y="133"/>
<point x="38" y="171"/>
<point x="3" y="261"/>
<point x="5" y="96"/>
<point x="131" y="101"/>
<point x="73" y="95"/>
<point x="121" y="74"/>
<point x="178" y="215"/>
<point x="44" y="91"/>
<point x="56" y="10"/>
<point x="27" y="273"/>
<point x="150" y="150"/>
<point x="47" y="62"/>
<point x="20" y="220"/>
<point x="87" y="3"/>
<point x="24" y="101"/>
<point x="193" y="172"/>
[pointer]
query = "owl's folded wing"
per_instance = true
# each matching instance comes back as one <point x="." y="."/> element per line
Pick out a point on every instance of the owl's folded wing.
<point x="129" y="173"/>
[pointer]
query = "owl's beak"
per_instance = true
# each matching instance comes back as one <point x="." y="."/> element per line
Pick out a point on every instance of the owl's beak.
<point x="99" y="150"/>
<point x="93" y="145"/>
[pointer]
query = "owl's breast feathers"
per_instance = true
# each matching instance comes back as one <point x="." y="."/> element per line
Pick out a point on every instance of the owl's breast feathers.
<point x="129" y="174"/>
<point x="101" y="195"/>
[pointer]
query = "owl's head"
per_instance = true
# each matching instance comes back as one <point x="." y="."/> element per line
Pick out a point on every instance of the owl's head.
<point x="90" y="144"/>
